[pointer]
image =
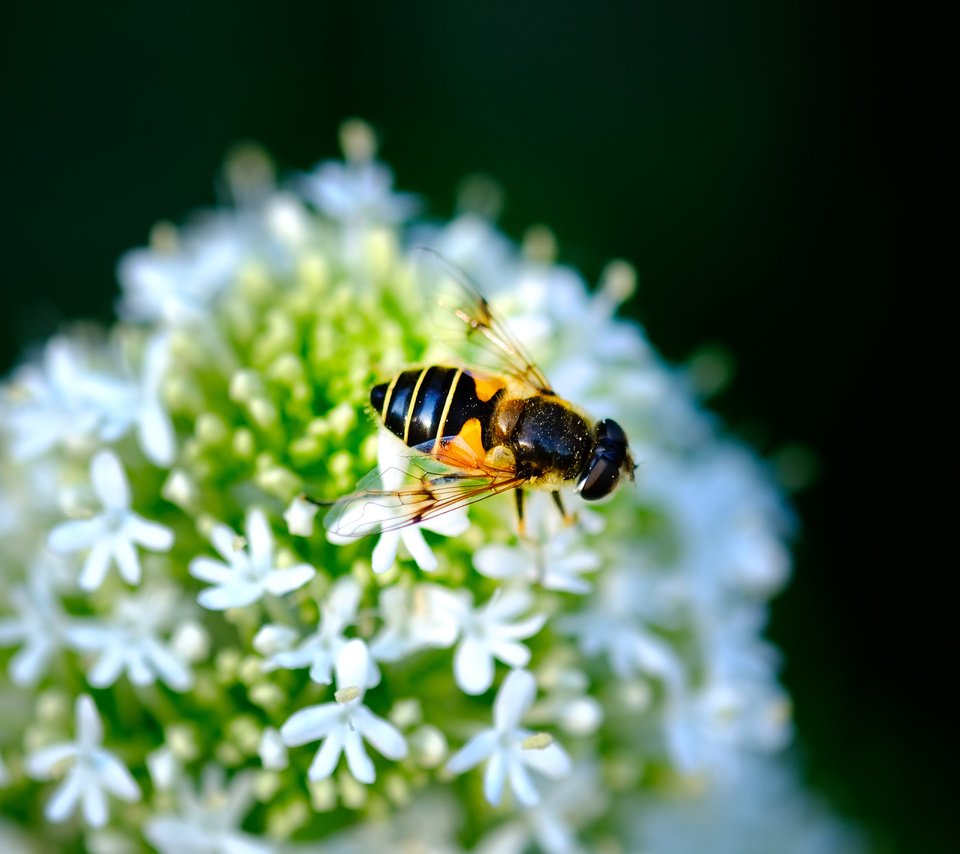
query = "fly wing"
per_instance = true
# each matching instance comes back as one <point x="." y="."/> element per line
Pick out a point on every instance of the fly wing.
<point x="439" y="476"/>
<point x="466" y="313"/>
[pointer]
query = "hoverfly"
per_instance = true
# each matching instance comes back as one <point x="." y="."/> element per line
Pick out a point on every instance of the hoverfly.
<point x="476" y="433"/>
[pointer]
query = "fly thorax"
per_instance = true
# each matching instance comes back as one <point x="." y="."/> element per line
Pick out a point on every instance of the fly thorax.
<point x="551" y="438"/>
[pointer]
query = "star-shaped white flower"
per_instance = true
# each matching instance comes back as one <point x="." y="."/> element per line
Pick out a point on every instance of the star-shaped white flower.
<point x="249" y="571"/>
<point x="414" y="618"/>
<point x="92" y="771"/>
<point x="208" y="821"/>
<point x="129" y="641"/>
<point x="491" y="632"/>
<point x="344" y="724"/>
<point x="40" y="627"/>
<point x="510" y="750"/>
<point x="319" y="650"/>
<point x="358" y="192"/>
<point x="113" y="536"/>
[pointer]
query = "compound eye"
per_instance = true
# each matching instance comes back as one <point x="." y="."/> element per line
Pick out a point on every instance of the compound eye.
<point x="600" y="480"/>
<point x="608" y="430"/>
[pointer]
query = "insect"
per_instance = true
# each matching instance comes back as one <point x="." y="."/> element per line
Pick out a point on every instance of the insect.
<point x="474" y="433"/>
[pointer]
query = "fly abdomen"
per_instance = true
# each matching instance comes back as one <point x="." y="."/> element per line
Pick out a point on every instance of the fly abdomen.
<point x="429" y="403"/>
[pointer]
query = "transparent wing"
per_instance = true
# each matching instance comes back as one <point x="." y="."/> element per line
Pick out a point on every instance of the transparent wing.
<point x="465" y="312"/>
<point x="439" y="477"/>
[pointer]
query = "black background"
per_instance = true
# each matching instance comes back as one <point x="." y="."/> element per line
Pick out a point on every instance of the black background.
<point x="743" y="156"/>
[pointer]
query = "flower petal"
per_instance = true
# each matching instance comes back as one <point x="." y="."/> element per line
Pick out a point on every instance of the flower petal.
<point x="360" y="764"/>
<point x="234" y="595"/>
<point x="385" y="551"/>
<point x="64" y="800"/>
<point x="310" y="724"/>
<point x="353" y="665"/>
<point x="515" y="696"/>
<point x="115" y="777"/>
<point x="282" y="581"/>
<point x="89" y="725"/>
<point x="94" y="804"/>
<point x="109" y="481"/>
<point x="259" y="538"/>
<point x="551" y="761"/>
<point x="41" y="763"/>
<point x="493" y="778"/>
<point x="150" y="535"/>
<point x="522" y="784"/>
<point x="472" y="666"/>
<point x="127" y="560"/>
<point x="95" y="566"/>
<point x="327" y="756"/>
<point x="499" y="561"/>
<point x="210" y="570"/>
<point x="473" y="752"/>
<point x="75" y="535"/>
<point x="384" y="736"/>
<point x="419" y="550"/>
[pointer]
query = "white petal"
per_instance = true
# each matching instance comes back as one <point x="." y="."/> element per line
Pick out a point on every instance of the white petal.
<point x="94" y="805"/>
<point x="271" y="638"/>
<point x="327" y="756"/>
<point x="41" y="763"/>
<point x="95" y="566"/>
<point x="449" y="524"/>
<point x="259" y="538"/>
<point x="353" y="665"/>
<point x="155" y="432"/>
<point x="493" y="778"/>
<point x="168" y="666"/>
<point x="418" y="548"/>
<point x="522" y="785"/>
<point x="109" y="481"/>
<point x="89" y="725"/>
<point x="30" y="661"/>
<point x="127" y="560"/>
<point x="551" y="761"/>
<point x="385" y="737"/>
<point x="358" y="761"/>
<point x="210" y="570"/>
<point x="515" y="696"/>
<point x="310" y="724"/>
<point x="282" y="581"/>
<point x="75" y="535"/>
<point x="230" y="596"/>
<point x="472" y="666"/>
<point x="509" y="652"/>
<point x="64" y="800"/>
<point x="524" y="628"/>
<point x="116" y="779"/>
<point x="224" y="540"/>
<point x="300" y="516"/>
<point x="108" y="668"/>
<point x="343" y="600"/>
<point x="473" y="752"/>
<point x="385" y="551"/>
<point x="150" y="535"/>
<point x="497" y="561"/>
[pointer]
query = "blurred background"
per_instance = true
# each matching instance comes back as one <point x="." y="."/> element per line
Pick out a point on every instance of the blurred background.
<point x="737" y="153"/>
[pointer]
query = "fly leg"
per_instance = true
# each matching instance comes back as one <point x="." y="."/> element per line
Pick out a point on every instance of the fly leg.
<point x="521" y="525"/>
<point x="568" y="518"/>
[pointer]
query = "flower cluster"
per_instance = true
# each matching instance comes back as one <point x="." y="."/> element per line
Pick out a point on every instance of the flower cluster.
<point x="189" y="665"/>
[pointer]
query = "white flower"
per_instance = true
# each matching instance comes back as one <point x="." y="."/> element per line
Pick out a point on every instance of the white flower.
<point x="154" y="427"/>
<point x="489" y="633"/>
<point x="342" y="725"/>
<point x="208" y="821"/>
<point x="113" y="536"/>
<point x="556" y="563"/>
<point x="272" y="750"/>
<point x="510" y="749"/>
<point x="65" y="399"/>
<point x="319" y="650"/>
<point x="129" y="642"/>
<point x="92" y="773"/>
<point x="180" y="283"/>
<point x="414" y="618"/>
<point x="550" y="826"/>
<point x="299" y="516"/>
<point x="249" y="572"/>
<point x="357" y="193"/>
<point x="40" y="628"/>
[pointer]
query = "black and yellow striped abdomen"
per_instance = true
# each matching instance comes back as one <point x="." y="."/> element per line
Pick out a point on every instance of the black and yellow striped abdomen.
<point x="425" y="404"/>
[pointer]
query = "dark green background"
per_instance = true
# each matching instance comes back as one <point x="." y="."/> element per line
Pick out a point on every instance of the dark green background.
<point x="740" y="154"/>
